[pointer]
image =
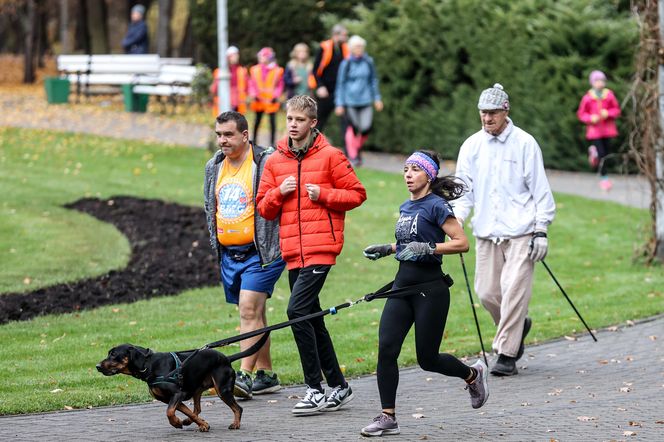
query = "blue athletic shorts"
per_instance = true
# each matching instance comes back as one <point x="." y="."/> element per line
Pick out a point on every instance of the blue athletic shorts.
<point x="248" y="275"/>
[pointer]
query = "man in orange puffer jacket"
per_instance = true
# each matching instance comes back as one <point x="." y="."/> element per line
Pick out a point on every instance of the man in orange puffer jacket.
<point x="310" y="185"/>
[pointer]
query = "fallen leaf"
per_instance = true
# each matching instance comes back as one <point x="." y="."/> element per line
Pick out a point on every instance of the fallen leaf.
<point x="634" y="424"/>
<point x="429" y="379"/>
<point x="614" y="328"/>
<point x="571" y="338"/>
<point x="57" y="390"/>
<point x="652" y="337"/>
<point x="27" y="280"/>
<point x="425" y="437"/>
<point x="603" y="361"/>
<point x="418" y="415"/>
<point x="629" y="322"/>
<point x="110" y="419"/>
<point x="526" y="404"/>
<point x="621" y="409"/>
<point x="359" y="359"/>
<point x="629" y="433"/>
<point x="586" y="418"/>
<point x="555" y="392"/>
<point x="67" y="407"/>
<point x="625" y="389"/>
<point x="293" y="396"/>
<point x="272" y="401"/>
<point x="659" y="422"/>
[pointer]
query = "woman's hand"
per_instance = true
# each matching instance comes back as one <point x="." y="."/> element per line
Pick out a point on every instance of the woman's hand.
<point x="377" y="251"/>
<point x="378" y="105"/>
<point x="339" y="111"/>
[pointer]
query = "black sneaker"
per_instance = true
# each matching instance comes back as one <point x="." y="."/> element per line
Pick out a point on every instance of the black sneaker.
<point x="504" y="366"/>
<point x="313" y="402"/>
<point x="243" y="385"/>
<point x="526" y="328"/>
<point x="338" y="398"/>
<point x="264" y="383"/>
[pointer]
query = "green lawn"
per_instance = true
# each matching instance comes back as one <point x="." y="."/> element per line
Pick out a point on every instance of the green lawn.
<point x="49" y="362"/>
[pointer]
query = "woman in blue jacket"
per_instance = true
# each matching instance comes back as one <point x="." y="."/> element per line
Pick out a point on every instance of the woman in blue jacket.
<point x="355" y="94"/>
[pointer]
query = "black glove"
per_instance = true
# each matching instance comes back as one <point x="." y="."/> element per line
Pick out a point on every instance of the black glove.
<point x="414" y="250"/>
<point x="538" y="246"/>
<point x="375" y="251"/>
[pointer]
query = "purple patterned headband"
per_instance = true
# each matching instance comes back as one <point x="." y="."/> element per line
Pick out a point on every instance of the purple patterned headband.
<point x="425" y="163"/>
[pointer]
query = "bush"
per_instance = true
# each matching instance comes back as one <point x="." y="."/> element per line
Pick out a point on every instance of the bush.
<point x="434" y="58"/>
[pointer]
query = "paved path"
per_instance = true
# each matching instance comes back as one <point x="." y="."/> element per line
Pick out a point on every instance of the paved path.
<point x="566" y="390"/>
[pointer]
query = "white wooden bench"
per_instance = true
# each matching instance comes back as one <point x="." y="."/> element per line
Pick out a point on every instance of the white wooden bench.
<point x="174" y="82"/>
<point x="109" y="71"/>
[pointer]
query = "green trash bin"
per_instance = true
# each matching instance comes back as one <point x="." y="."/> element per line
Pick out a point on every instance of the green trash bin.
<point x="134" y="102"/>
<point x="57" y="90"/>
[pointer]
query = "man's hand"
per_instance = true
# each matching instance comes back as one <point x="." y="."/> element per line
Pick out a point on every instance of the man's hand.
<point x="322" y="92"/>
<point x="378" y="105"/>
<point x="375" y="251"/>
<point x="414" y="250"/>
<point x="339" y="111"/>
<point x="288" y="185"/>
<point x="313" y="190"/>
<point x="538" y="246"/>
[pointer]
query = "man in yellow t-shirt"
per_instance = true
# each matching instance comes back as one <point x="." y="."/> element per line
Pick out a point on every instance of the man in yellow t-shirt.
<point x="246" y="244"/>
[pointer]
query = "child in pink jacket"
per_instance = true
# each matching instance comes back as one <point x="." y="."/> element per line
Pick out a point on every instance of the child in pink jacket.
<point x="598" y="110"/>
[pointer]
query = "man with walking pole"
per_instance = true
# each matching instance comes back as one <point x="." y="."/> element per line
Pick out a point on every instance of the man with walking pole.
<point x="513" y="206"/>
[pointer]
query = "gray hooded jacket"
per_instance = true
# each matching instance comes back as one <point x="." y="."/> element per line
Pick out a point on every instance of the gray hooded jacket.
<point x="266" y="233"/>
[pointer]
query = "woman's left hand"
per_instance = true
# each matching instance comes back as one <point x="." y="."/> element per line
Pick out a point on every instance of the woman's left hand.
<point x="414" y="250"/>
<point x="378" y="105"/>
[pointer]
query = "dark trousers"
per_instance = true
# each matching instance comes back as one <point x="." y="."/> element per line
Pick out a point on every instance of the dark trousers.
<point x="312" y="338"/>
<point x="429" y="314"/>
<point x="325" y="109"/>
<point x="603" y="146"/>
<point x="273" y="126"/>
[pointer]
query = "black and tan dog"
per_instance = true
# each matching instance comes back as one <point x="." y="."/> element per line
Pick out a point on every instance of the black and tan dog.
<point x="179" y="376"/>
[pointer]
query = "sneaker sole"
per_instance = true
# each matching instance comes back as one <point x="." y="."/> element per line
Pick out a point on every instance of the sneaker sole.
<point x="242" y="394"/>
<point x="272" y="389"/>
<point x="381" y="432"/>
<point x="307" y="411"/>
<point x="344" y="402"/>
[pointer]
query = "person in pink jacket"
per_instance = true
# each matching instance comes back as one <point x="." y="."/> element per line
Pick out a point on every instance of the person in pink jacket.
<point x="598" y="110"/>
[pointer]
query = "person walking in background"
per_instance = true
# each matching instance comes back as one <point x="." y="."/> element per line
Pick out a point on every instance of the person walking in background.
<point x="238" y="83"/>
<point x="309" y="186"/>
<point x="298" y="75"/>
<point x="356" y="93"/>
<point x="246" y="244"/>
<point x="136" y="39"/>
<point x="266" y="84"/>
<point x="599" y="110"/>
<point x="424" y="221"/>
<point x="513" y="206"/>
<point x="326" y="65"/>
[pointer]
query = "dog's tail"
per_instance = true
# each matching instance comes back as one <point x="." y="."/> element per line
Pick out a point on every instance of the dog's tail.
<point x="251" y="350"/>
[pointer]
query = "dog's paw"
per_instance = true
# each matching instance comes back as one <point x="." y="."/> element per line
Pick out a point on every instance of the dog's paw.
<point x="204" y="427"/>
<point x="234" y="426"/>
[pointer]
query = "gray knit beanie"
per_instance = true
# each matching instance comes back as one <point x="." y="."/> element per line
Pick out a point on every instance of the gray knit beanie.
<point x="138" y="8"/>
<point x="494" y="98"/>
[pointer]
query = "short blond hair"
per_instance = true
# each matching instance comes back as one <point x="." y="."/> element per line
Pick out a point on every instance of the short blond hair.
<point x="303" y="103"/>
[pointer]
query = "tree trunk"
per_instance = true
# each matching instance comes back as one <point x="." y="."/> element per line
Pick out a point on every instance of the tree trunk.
<point x="117" y="14"/>
<point x="96" y="11"/>
<point x="65" y="47"/>
<point x="164" y="28"/>
<point x="82" y="34"/>
<point x="186" y="48"/>
<point x="29" y="26"/>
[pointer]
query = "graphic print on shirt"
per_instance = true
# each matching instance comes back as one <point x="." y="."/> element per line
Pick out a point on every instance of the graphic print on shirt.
<point x="233" y="200"/>
<point x="406" y="226"/>
<point x="235" y="205"/>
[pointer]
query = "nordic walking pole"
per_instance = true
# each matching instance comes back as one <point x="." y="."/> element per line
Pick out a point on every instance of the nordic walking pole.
<point x="568" y="300"/>
<point x="472" y="304"/>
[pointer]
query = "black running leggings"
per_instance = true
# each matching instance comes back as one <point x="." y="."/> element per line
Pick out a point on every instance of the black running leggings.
<point x="429" y="314"/>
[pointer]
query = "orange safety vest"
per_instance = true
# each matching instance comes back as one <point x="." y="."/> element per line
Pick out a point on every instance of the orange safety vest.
<point x="327" y="50"/>
<point x="241" y="92"/>
<point x="265" y="86"/>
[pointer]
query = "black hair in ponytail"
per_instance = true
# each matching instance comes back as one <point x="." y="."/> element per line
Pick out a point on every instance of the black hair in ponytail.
<point x="446" y="187"/>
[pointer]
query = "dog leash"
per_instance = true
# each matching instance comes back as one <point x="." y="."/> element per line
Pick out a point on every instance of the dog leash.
<point x="383" y="292"/>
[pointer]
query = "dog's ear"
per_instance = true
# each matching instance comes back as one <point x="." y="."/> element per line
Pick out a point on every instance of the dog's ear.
<point x="138" y="356"/>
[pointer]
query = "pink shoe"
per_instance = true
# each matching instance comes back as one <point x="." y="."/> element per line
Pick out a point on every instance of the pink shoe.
<point x="605" y="184"/>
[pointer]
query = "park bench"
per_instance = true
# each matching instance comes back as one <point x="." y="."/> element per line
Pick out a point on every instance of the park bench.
<point x="173" y="82"/>
<point x="106" y="73"/>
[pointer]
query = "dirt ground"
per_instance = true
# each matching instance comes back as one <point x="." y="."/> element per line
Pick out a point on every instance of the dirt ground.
<point x="170" y="253"/>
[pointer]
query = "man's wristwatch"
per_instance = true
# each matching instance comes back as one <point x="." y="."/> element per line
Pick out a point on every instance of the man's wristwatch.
<point x="432" y="247"/>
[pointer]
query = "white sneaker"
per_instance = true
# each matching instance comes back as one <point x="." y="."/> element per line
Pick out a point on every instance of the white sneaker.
<point x="313" y="402"/>
<point x="339" y="397"/>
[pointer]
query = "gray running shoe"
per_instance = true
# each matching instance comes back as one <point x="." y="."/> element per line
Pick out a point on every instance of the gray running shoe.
<point x="312" y="403"/>
<point x="264" y="383"/>
<point x="243" y="384"/>
<point x="339" y="397"/>
<point x="479" y="389"/>
<point x="382" y="425"/>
